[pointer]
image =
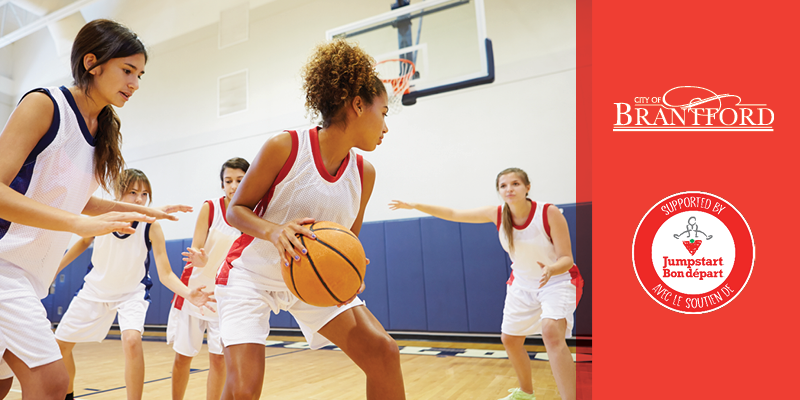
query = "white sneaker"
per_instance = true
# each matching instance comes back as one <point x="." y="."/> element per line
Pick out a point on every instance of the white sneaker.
<point x="518" y="394"/>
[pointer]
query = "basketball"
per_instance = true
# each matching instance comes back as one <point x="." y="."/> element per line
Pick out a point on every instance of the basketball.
<point x="333" y="269"/>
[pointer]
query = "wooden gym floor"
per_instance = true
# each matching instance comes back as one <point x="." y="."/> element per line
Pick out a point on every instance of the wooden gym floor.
<point x="295" y="372"/>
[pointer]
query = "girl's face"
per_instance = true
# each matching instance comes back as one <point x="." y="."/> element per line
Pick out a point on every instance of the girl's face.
<point x="116" y="80"/>
<point x="136" y="193"/>
<point x="230" y="181"/>
<point x="373" y="123"/>
<point x="512" y="188"/>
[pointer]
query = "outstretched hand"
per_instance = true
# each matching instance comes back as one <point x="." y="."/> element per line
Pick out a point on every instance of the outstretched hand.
<point x="286" y="241"/>
<point x="195" y="258"/>
<point x="201" y="299"/>
<point x="165" y="212"/>
<point x="397" y="204"/>
<point x="109" y="222"/>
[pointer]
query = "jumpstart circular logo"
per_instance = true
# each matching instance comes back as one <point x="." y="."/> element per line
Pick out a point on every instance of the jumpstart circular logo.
<point x="693" y="252"/>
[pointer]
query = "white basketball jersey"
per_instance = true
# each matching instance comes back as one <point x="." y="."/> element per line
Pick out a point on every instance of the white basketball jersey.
<point x="532" y="244"/>
<point x="120" y="266"/>
<point x="218" y="242"/>
<point x="303" y="188"/>
<point x="59" y="172"/>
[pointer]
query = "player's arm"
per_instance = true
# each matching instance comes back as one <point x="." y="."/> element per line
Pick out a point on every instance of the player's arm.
<point x="255" y="185"/>
<point x="98" y="206"/>
<point x="77" y="249"/>
<point x="24" y="129"/>
<point x="168" y="278"/>
<point x="195" y="256"/>
<point x="366" y="192"/>
<point x="559" y="233"/>
<point x="473" y="216"/>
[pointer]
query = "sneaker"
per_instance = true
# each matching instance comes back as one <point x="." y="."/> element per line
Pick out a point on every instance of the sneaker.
<point x="518" y="394"/>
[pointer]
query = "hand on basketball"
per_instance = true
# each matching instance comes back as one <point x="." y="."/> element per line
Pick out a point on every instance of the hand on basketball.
<point x="109" y="222"/>
<point x="546" y="273"/>
<point x="397" y="204"/>
<point x="195" y="258"/>
<point x="165" y="212"/>
<point x="286" y="241"/>
<point x="201" y="299"/>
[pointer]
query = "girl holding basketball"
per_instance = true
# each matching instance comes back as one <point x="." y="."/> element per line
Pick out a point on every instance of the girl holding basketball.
<point x="212" y="239"/>
<point x="297" y="178"/>
<point x="59" y="145"/>
<point x="545" y="285"/>
<point x="118" y="283"/>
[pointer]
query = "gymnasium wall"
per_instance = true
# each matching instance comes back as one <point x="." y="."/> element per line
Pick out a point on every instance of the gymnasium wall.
<point x="445" y="150"/>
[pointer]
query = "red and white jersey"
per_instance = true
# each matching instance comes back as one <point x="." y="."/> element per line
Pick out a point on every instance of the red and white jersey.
<point x="303" y="188"/>
<point x="58" y="172"/>
<point x="532" y="244"/>
<point x="218" y="242"/>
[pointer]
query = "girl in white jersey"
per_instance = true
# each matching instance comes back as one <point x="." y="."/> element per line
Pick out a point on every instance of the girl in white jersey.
<point x="545" y="285"/>
<point x="118" y="282"/>
<point x="299" y="177"/>
<point x="212" y="239"/>
<point x="58" y="145"/>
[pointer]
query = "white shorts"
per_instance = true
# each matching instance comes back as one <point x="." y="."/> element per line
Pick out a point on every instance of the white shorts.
<point x="89" y="321"/>
<point x="244" y="315"/>
<point x="25" y="329"/>
<point x="186" y="331"/>
<point x="526" y="308"/>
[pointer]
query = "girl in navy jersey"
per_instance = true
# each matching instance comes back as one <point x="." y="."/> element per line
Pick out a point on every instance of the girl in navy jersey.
<point x="212" y="239"/>
<point x="59" y="145"/>
<point x="545" y="285"/>
<point x="118" y="282"/>
<point x="299" y="177"/>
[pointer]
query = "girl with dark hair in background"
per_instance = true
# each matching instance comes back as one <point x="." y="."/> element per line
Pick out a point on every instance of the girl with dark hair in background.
<point x="212" y="239"/>
<point x="59" y="145"/>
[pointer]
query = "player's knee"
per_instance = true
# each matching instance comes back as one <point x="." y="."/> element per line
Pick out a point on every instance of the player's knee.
<point x="553" y="335"/>
<point x="216" y="361"/>
<point x="383" y="349"/>
<point x="246" y="391"/>
<point x="131" y="342"/>
<point x="182" y="361"/>
<point x="55" y="386"/>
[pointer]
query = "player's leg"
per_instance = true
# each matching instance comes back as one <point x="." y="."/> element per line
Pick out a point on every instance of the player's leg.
<point x="216" y="361"/>
<point x="245" y="365"/>
<point x="132" y="313"/>
<point x="181" y="369"/>
<point x="134" y="363"/>
<point x="186" y="334"/>
<point x="69" y="362"/>
<point x="520" y="360"/>
<point x="561" y="363"/>
<point x="359" y="334"/>
<point x="244" y="328"/>
<point x="45" y="382"/>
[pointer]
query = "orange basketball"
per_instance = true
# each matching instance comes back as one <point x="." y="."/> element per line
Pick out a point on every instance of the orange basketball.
<point x="332" y="270"/>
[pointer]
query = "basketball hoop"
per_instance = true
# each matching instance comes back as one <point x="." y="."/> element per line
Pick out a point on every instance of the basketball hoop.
<point x="396" y="75"/>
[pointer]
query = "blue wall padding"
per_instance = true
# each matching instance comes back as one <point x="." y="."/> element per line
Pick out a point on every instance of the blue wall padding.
<point x="485" y="274"/>
<point x="446" y="301"/>
<point x="425" y="274"/>
<point x="404" y="275"/>
<point x="376" y="293"/>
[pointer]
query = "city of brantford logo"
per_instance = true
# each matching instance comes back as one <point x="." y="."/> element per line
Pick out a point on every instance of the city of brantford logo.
<point x="692" y="109"/>
<point x="693" y="252"/>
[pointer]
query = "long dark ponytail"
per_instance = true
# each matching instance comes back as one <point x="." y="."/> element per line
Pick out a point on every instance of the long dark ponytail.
<point x="106" y="40"/>
<point x="508" y="222"/>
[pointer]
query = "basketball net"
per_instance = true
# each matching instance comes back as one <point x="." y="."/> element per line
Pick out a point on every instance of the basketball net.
<point x="396" y="75"/>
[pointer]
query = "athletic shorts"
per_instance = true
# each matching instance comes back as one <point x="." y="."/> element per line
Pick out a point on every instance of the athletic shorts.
<point x="24" y="326"/>
<point x="525" y="308"/>
<point x="244" y="315"/>
<point x="186" y="332"/>
<point x="89" y="321"/>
